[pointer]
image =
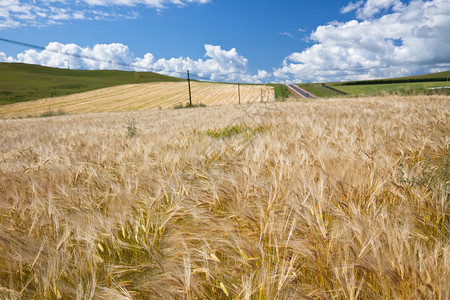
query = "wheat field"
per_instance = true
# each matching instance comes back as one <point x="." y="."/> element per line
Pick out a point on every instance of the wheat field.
<point x="143" y="96"/>
<point x="326" y="199"/>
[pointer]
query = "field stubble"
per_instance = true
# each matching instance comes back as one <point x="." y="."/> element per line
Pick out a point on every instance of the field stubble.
<point x="283" y="200"/>
<point x="143" y="96"/>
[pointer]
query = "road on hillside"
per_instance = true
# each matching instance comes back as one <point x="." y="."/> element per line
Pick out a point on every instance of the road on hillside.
<point x="300" y="92"/>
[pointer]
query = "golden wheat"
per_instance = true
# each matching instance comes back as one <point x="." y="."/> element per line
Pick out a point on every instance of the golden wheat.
<point x="144" y="96"/>
<point x="337" y="198"/>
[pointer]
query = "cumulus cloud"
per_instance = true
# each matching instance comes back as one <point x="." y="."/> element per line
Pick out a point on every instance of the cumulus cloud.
<point x="410" y="39"/>
<point x="105" y="56"/>
<point x="38" y="13"/>
<point x="4" y="58"/>
<point x="217" y="65"/>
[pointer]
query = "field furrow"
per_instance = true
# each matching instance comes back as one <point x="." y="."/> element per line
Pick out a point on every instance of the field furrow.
<point x="144" y="96"/>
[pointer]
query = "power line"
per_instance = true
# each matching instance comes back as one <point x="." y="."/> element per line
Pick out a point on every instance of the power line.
<point x="22" y="44"/>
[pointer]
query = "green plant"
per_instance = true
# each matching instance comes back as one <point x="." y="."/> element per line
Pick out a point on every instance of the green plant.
<point x="131" y="128"/>
<point x="281" y="92"/>
<point x="179" y="106"/>
<point x="51" y="113"/>
<point x="232" y="130"/>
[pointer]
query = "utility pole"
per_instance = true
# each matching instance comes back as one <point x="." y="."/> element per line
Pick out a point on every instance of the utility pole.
<point x="239" y="92"/>
<point x="68" y="63"/>
<point x="189" y="85"/>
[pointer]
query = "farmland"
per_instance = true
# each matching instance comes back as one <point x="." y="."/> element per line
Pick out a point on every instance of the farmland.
<point x="24" y="82"/>
<point x="412" y="85"/>
<point x="328" y="199"/>
<point x="142" y="96"/>
<point x="319" y="90"/>
<point x="373" y="89"/>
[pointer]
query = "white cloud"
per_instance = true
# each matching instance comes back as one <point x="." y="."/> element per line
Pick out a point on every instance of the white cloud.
<point x="218" y="64"/>
<point x="38" y="13"/>
<point x="152" y="3"/>
<point x="4" y="58"/>
<point x="351" y="6"/>
<point x="411" y="39"/>
<point x="288" y="34"/>
<point x="372" y="7"/>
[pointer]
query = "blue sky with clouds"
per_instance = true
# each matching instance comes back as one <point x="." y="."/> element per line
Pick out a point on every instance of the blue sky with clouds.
<point x="246" y="41"/>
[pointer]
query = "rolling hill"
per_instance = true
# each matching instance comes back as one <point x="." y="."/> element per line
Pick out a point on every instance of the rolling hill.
<point x="401" y="85"/>
<point x="23" y="82"/>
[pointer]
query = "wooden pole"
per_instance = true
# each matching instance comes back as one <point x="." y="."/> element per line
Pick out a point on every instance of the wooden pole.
<point x="189" y="85"/>
<point x="239" y="92"/>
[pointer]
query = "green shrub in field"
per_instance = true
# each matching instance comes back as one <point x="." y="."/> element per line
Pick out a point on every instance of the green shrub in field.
<point x="179" y="106"/>
<point x="281" y="92"/>
<point x="51" y="113"/>
<point x="131" y="128"/>
<point x="233" y="130"/>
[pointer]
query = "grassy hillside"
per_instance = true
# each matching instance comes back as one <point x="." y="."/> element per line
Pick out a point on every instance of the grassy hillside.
<point x="23" y="82"/>
<point x="402" y="85"/>
<point x="401" y="88"/>
<point x="441" y="76"/>
<point x="320" y="90"/>
<point x="329" y="199"/>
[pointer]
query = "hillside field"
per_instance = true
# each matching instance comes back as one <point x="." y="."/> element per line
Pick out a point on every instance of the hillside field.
<point x="23" y="82"/>
<point x="374" y="89"/>
<point x="326" y="199"/>
<point x="144" y="96"/>
<point x="412" y="85"/>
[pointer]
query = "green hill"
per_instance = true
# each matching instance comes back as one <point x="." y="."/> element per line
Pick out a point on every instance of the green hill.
<point x="23" y="82"/>
<point x="401" y="85"/>
<point x="433" y="77"/>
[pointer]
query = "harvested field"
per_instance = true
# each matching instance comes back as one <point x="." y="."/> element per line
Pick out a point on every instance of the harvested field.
<point x="328" y="199"/>
<point x="142" y="96"/>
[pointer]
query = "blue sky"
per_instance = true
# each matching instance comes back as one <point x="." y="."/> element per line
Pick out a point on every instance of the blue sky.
<point x="246" y="41"/>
